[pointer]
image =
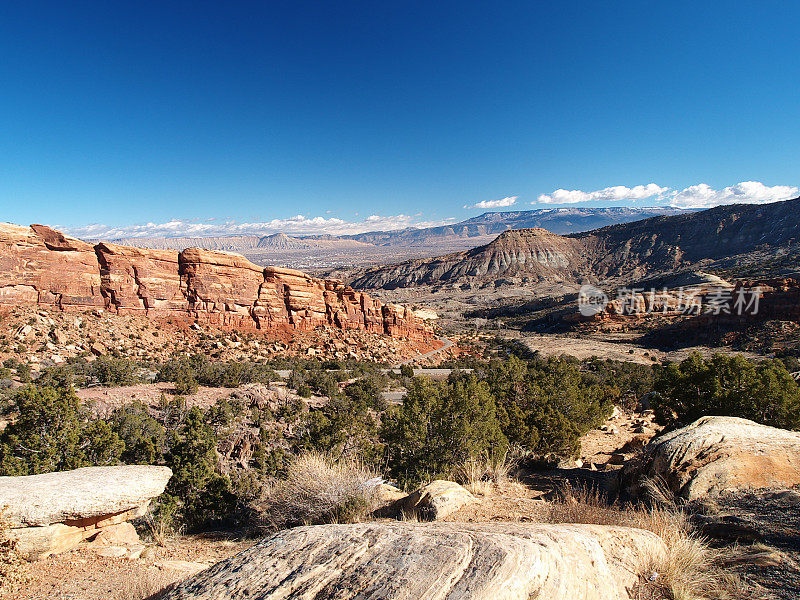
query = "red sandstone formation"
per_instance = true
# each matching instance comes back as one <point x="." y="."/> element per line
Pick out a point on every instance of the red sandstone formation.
<point x="777" y="299"/>
<point x="42" y="266"/>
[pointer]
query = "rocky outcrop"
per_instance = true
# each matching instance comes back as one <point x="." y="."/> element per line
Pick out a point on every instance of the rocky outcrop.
<point x="450" y="561"/>
<point x="39" y="265"/>
<point x="42" y="266"/>
<point x="134" y="279"/>
<point x="715" y="455"/>
<point x="221" y="288"/>
<point x="53" y="512"/>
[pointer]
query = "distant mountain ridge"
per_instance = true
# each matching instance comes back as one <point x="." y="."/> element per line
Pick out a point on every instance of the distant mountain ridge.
<point x="627" y="251"/>
<point x="555" y="220"/>
<point x="466" y="234"/>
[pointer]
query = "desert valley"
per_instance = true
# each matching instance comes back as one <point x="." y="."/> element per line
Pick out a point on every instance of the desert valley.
<point x="465" y="390"/>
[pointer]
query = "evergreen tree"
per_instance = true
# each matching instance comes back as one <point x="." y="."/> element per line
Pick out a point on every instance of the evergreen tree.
<point x="199" y="491"/>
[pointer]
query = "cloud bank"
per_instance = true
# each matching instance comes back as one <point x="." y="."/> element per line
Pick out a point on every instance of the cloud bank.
<point x="746" y="192"/>
<point x="696" y="196"/>
<point x="617" y="193"/>
<point x="297" y="225"/>
<point x="507" y="201"/>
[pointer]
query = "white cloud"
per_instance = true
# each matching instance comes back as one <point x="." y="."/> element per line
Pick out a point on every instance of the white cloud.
<point x="695" y="196"/>
<point x="507" y="201"/>
<point x="746" y="192"/>
<point x="297" y="225"/>
<point x="616" y="193"/>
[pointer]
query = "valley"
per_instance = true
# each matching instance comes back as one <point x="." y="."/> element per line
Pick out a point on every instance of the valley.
<point x="327" y="251"/>
<point x="463" y="389"/>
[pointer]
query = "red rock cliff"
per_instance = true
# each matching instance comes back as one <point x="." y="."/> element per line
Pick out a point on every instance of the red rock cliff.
<point x="42" y="266"/>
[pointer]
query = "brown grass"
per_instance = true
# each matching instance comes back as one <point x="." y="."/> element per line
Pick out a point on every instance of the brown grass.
<point x="689" y="570"/>
<point x="482" y="477"/>
<point x="318" y="489"/>
<point x="143" y="585"/>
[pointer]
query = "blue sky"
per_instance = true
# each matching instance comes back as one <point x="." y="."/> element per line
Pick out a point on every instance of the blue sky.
<point x="193" y="117"/>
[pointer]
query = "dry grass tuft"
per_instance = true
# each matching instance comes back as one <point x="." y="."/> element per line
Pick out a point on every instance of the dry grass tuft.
<point x="144" y="585"/>
<point x="318" y="489"/>
<point x="689" y="570"/>
<point x="487" y="469"/>
<point x="482" y="476"/>
<point x="160" y="527"/>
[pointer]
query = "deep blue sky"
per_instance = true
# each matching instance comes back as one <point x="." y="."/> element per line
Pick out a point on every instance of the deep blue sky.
<point x="123" y="113"/>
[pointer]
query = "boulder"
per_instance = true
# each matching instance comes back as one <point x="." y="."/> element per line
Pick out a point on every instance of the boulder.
<point x="435" y="501"/>
<point x="414" y="561"/>
<point x="714" y="455"/>
<point x="90" y="492"/>
<point x="121" y="534"/>
<point x="38" y="542"/>
<point x="54" y="512"/>
<point x="388" y="494"/>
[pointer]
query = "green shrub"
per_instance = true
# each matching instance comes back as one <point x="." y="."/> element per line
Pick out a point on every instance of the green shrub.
<point x="441" y="425"/>
<point x="112" y="371"/>
<point x="144" y="437"/>
<point x="200" y="492"/>
<point x="198" y="370"/>
<point x="185" y="383"/>
<point x="761" y="391"/>
<point x="54" y="433"/>
<point x="546" y="405"/>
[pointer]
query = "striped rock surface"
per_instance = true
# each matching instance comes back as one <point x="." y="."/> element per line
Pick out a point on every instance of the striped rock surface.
<point x="437" y="561"/>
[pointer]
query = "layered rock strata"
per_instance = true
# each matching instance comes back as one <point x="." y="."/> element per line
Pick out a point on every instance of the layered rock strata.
<point x="39" y="265"/>
<point x="449" y="561"/>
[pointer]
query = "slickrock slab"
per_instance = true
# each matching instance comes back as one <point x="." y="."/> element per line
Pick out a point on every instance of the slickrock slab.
<point x="443" y="561"/>
<point x="436" y="500"/>
<point x="718" y="454"/>
<point x="70" y="496"/>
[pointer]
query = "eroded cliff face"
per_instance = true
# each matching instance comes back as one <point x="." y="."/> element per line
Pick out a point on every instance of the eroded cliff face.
<point x="534" y="253"/>
<point x="39" y="265"/>
<point x="42" y="266"/>
<point x="620" y="253"/>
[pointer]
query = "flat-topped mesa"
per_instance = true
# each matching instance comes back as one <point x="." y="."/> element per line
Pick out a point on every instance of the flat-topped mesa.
<point x="39" y="265"/>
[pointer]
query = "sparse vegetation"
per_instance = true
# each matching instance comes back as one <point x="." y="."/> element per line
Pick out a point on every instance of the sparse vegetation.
<point x="690" y="569"/>
<point x="318" y="489"/>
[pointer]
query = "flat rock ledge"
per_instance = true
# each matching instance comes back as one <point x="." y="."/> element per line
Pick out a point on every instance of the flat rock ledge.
<point x="53" y="512"/>
<point x="715" y="455"/>
<point x="425" y="561"/>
